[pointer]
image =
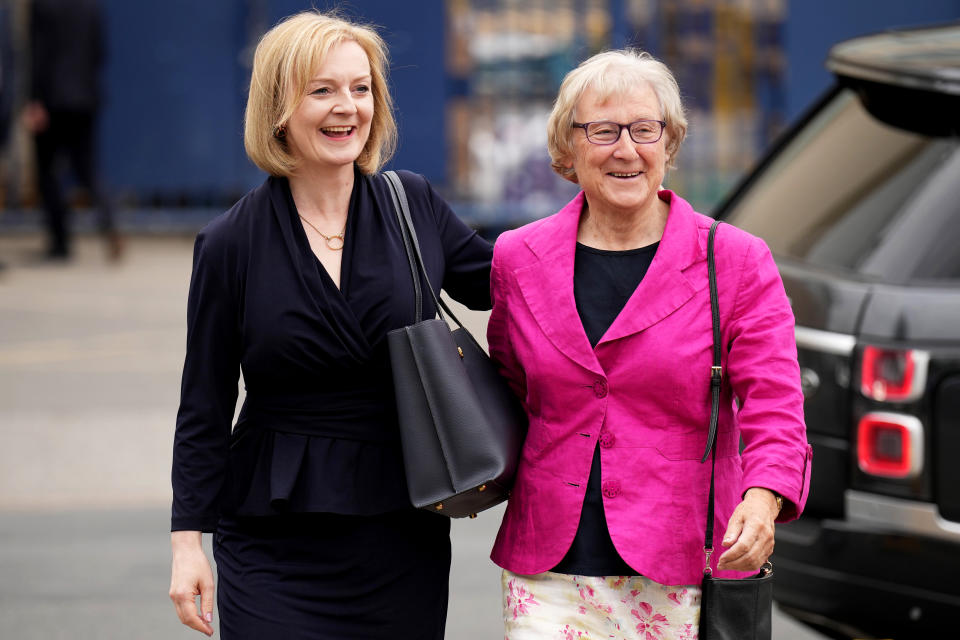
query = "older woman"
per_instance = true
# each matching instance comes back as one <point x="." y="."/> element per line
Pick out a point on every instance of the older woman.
<point x="601" y="322"/>
<point x="297" y="286"/>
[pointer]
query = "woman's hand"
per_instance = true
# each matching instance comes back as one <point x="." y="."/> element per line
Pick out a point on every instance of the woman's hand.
<point x="191" y="577"/>
<point x="35" y="117"/>
<point x="749" y="535"/>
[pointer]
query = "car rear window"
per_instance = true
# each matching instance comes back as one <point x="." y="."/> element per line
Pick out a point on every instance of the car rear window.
<point x="854" y="193"/>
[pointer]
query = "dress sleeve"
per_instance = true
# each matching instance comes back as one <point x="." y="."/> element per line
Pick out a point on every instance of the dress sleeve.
<point x="208" y="394"/>
<point x="765" y="378"/>
<point x="466" y="254"/>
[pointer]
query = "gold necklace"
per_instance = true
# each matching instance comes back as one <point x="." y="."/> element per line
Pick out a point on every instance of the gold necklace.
<point x="334" y="242"/>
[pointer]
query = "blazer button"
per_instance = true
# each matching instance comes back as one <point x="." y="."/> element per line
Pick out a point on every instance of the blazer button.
<point x="600" y="388"/>
<point x="606" y="439"/>
<point x="610" y="489"/>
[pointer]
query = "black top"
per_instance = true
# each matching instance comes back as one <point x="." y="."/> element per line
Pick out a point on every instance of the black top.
<point x="67" y="41"/>
<point x="317" y="430"/>
<point x="603" y="281"/>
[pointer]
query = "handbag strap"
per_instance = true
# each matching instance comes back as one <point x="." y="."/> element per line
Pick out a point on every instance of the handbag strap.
<point x="412" y="248"/>
<point x="402" y="209"/>
<point x="716" y="378"/>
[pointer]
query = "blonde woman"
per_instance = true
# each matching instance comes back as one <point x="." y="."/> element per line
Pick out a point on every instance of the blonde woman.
<point x="297" y="286"/>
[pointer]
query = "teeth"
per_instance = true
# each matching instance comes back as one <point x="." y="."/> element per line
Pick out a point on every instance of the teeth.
<point x="624" y="175"/>
<point x="337" y="129"/>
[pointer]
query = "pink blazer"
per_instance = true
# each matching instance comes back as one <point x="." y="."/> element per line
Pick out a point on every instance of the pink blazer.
<point x="643" y="393"/>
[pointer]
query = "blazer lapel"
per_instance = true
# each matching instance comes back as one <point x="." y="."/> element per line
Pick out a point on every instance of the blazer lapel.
<point x="547" y="285"/>
<point x="665" y="287"/>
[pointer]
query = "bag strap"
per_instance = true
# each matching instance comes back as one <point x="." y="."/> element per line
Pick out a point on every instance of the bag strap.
<point x="401" y="208"/>
<point x="716" y="378"/>
<point x="412" y="247"/>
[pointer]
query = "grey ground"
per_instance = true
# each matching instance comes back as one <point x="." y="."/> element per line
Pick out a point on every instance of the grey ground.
<point x="90" y="354"/>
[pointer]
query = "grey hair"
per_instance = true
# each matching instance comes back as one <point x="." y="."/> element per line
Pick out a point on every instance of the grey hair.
<point x="613" y="73"/>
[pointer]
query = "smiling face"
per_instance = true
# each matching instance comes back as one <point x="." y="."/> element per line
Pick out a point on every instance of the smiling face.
<point x="621" y="178"/>
<point x="330" y="127"/>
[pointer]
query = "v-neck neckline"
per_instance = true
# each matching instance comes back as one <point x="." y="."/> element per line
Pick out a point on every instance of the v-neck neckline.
<point x="346" y="257"/>
<point x="318" y="288"/>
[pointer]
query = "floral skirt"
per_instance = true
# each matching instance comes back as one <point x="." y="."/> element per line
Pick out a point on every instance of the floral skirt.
<point x="549" y="606"/>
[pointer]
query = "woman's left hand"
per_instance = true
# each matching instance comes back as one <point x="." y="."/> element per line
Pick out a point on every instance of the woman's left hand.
<point x="749" y="535"/>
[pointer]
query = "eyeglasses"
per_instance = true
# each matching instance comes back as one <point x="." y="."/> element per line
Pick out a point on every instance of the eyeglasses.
<point x="605" y="132"/>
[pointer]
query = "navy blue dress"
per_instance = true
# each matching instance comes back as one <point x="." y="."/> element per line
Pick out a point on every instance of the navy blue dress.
<point x="315" y="536"/>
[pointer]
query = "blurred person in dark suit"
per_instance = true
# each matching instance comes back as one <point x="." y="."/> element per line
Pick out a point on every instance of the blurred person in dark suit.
<point x="67" y="47"/>
<point x="7" y="84"/>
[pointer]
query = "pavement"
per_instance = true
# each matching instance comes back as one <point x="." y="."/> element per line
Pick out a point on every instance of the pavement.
<point x="90" y="357"/>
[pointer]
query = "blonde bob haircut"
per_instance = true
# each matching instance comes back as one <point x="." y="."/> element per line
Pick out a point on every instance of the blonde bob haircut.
<point x="286" y="58"/>
<point x="612" y="74"/>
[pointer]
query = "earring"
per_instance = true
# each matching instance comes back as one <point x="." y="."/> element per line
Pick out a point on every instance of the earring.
<point x="280" y="132"/>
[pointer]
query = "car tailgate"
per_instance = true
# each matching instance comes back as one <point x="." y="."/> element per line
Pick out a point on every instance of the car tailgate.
<point x="827" y="311"/>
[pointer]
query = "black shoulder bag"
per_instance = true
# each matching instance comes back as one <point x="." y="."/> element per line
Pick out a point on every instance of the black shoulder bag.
<point x="461" y="427"/>
<point x="730" y="609"/>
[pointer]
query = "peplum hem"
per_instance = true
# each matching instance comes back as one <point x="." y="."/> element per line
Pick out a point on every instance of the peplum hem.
<point x="276" y="472"/>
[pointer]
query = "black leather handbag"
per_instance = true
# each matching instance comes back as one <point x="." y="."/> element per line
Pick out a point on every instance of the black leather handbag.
<point x="461" y="427"/>
<point x="730" y="609"/>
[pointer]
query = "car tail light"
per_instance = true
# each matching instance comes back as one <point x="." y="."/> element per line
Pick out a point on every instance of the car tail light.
<point x="890" y="445"/>
<point x="893" y="375"/>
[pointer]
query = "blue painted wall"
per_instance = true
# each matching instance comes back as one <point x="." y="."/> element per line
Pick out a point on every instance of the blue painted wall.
<point x="813" y="26"/>
<point x="172" y="121"/>
<point x="176" y="84"/>
<point x="177" y="75"/>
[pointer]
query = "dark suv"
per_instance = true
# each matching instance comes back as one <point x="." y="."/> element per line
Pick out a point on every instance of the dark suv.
<point x="860" y="203"/>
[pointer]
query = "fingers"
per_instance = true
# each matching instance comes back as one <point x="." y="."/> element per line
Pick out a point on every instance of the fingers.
<point x="186" y="606"/>
<point x="748" y="553"/>
<point x="185" y="602"/>
<point x="191" y="577"/>
<point x="734" y="529"/>
<point x="749" y="537"/>
<point x="206" y="603"/>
